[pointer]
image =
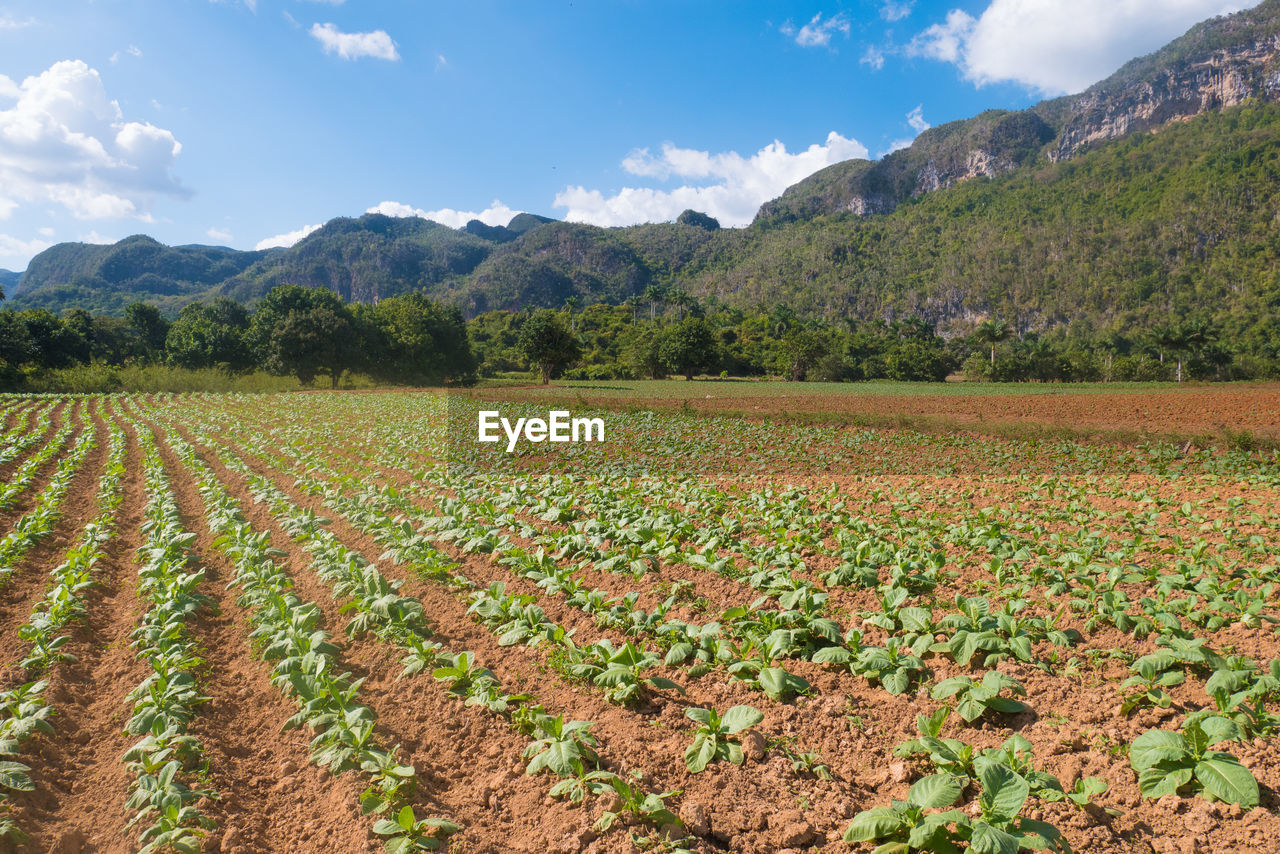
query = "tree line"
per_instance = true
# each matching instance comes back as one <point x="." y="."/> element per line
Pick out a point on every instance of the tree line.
<point x="307" y="333"/>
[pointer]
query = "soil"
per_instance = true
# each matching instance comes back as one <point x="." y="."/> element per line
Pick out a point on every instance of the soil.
<point x="271" y="799"/>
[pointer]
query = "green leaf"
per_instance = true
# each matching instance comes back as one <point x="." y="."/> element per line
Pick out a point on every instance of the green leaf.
<point x="1003" y="791"/>
<point x="936" y="790"/>
<point x="873" y="824"/>
<point x="702" y="751"/>
<point x="739" y="718"/>
<point x="1226" y="779"/>
<point x="13" y="775"/>
<point x="991" y="840"/>
<point x="1156" y="746"/>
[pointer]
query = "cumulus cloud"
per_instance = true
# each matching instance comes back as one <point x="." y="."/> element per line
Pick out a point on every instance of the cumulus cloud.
<point x="64" y="141"/>
<point x="288" y="238"/>
<point x="1055" y="47"/>
<point x="376" y="44"/>
<point x="496" y="214"/>
<point x="221" y="235"/>
<point x="817" y="33"/>
<point x="132" y="50"/>
<point x="9" y="23"/>
<point x="896" y="10"/>
<point x="873" y="56"/>
<point x="728" y="186"/>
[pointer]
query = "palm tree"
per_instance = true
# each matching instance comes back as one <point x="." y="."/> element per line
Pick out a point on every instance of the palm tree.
<point x="654" y="294"/>
<point x="571" y="303"/>
<point x="992" y="332"/>
<point x="681" y="299"/>
<point x="633" y="303"/>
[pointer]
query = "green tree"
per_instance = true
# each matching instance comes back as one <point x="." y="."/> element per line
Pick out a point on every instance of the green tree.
<point x="546" y="343"/>
<point x="149" y="327"/>
<point x="802" y="349"/>
<point x="689" y="346"/>
<point x="210" y="335"/>
<point x="419" y="341"/>
<point x="990" y="333"/>
<point x="304" y="332"/>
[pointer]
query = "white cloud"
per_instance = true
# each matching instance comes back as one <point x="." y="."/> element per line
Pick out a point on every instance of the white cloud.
<point x="328" y="2"/>
<point x="132" y="50"/>
<point x="376" y="44"/>
<point x="9" y="23"/>
<point x="916" y="121"/>
<point x="8" y="89"/>
<point x="441" y="62"/>
<point x="94" y="237"/>
<point x="45" y="231"/>
<point x="818" y="33"/>
<point x="64" y="141"/>
<point x="1055" y="47"/>
<point x="732" y="187"/>
<point x="896" y="10"/>
<point x="496" y="214"/>
<point x="16" y="253"/>
<point x="874" y="57"/>
<point x="221" y="235"/>
<point x="288" y="238"/>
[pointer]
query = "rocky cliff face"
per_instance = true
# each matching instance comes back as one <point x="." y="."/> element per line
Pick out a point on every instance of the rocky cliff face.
<point x="1218" y="64"/>
<point x="1222" y="79"/>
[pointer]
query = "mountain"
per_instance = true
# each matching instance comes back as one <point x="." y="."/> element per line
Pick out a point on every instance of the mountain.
<point x="1218" y="64"/>
<point x="108" y="278"/>
<point x="1148" y="197"/>
<point x="9" y="282"/>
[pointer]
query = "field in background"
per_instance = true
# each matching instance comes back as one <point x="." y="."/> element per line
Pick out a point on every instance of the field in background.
<point x="1228" y="413"/>
<point x="308" y="607"/>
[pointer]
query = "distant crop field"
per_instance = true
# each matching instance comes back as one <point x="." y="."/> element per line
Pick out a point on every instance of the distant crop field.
<point x="1226" y="412"/>
<point x="335" y="622"/>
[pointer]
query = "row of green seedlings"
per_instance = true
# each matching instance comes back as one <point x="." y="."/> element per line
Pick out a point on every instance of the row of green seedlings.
<point x="24" y="434"/>
<point x="757" y="638"/>
<point x="517" y="620"/>
<point x="23" y="709"/>
<point x="306" y="668"/>
<point x="38" y="522"/>
<point x="565" y="748"/>
<point x="168" y="763"/>
<point x="937" y="815"/>
<point x="26" y="473"/>
<point x="620" y="670"/>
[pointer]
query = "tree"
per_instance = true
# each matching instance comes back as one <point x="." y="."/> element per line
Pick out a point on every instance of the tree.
<point x="210" y="335"/>
<point x="150" y="328"/>
<point x="992" y="332"/>
<point x="802" y="349"/>
<point x="304" y="332"/>
<point x="698" y="219"/>
<point x="546" y="343"/>
<point x="689" y="346"/>
<point x="654" y="294"/>
<point x="682" y="300"/>
<point x="419" y="341"/>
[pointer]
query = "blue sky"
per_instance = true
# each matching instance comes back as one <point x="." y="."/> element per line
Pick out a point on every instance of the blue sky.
<point x="245" y="123"/>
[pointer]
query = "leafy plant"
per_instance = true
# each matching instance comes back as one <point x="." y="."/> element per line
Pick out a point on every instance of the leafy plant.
<point x="407" y="834"/>
<point x="974" y="699"/>
<point x="1168" y="761"/>
<point x="712" y="740"/>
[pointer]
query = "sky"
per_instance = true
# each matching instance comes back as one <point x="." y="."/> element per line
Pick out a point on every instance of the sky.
<point x="247" y="123"/>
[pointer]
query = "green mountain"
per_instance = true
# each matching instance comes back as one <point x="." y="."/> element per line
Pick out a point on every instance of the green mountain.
<point x="1148" y="197"/>
<point x="9" y="281"/>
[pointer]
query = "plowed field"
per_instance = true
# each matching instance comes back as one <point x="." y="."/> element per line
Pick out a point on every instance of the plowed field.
<point x="334" y="623"/>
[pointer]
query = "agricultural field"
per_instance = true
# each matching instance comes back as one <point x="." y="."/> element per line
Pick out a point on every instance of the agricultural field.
<point x="333" y="622"/>
<point x="1240" y="413"/>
